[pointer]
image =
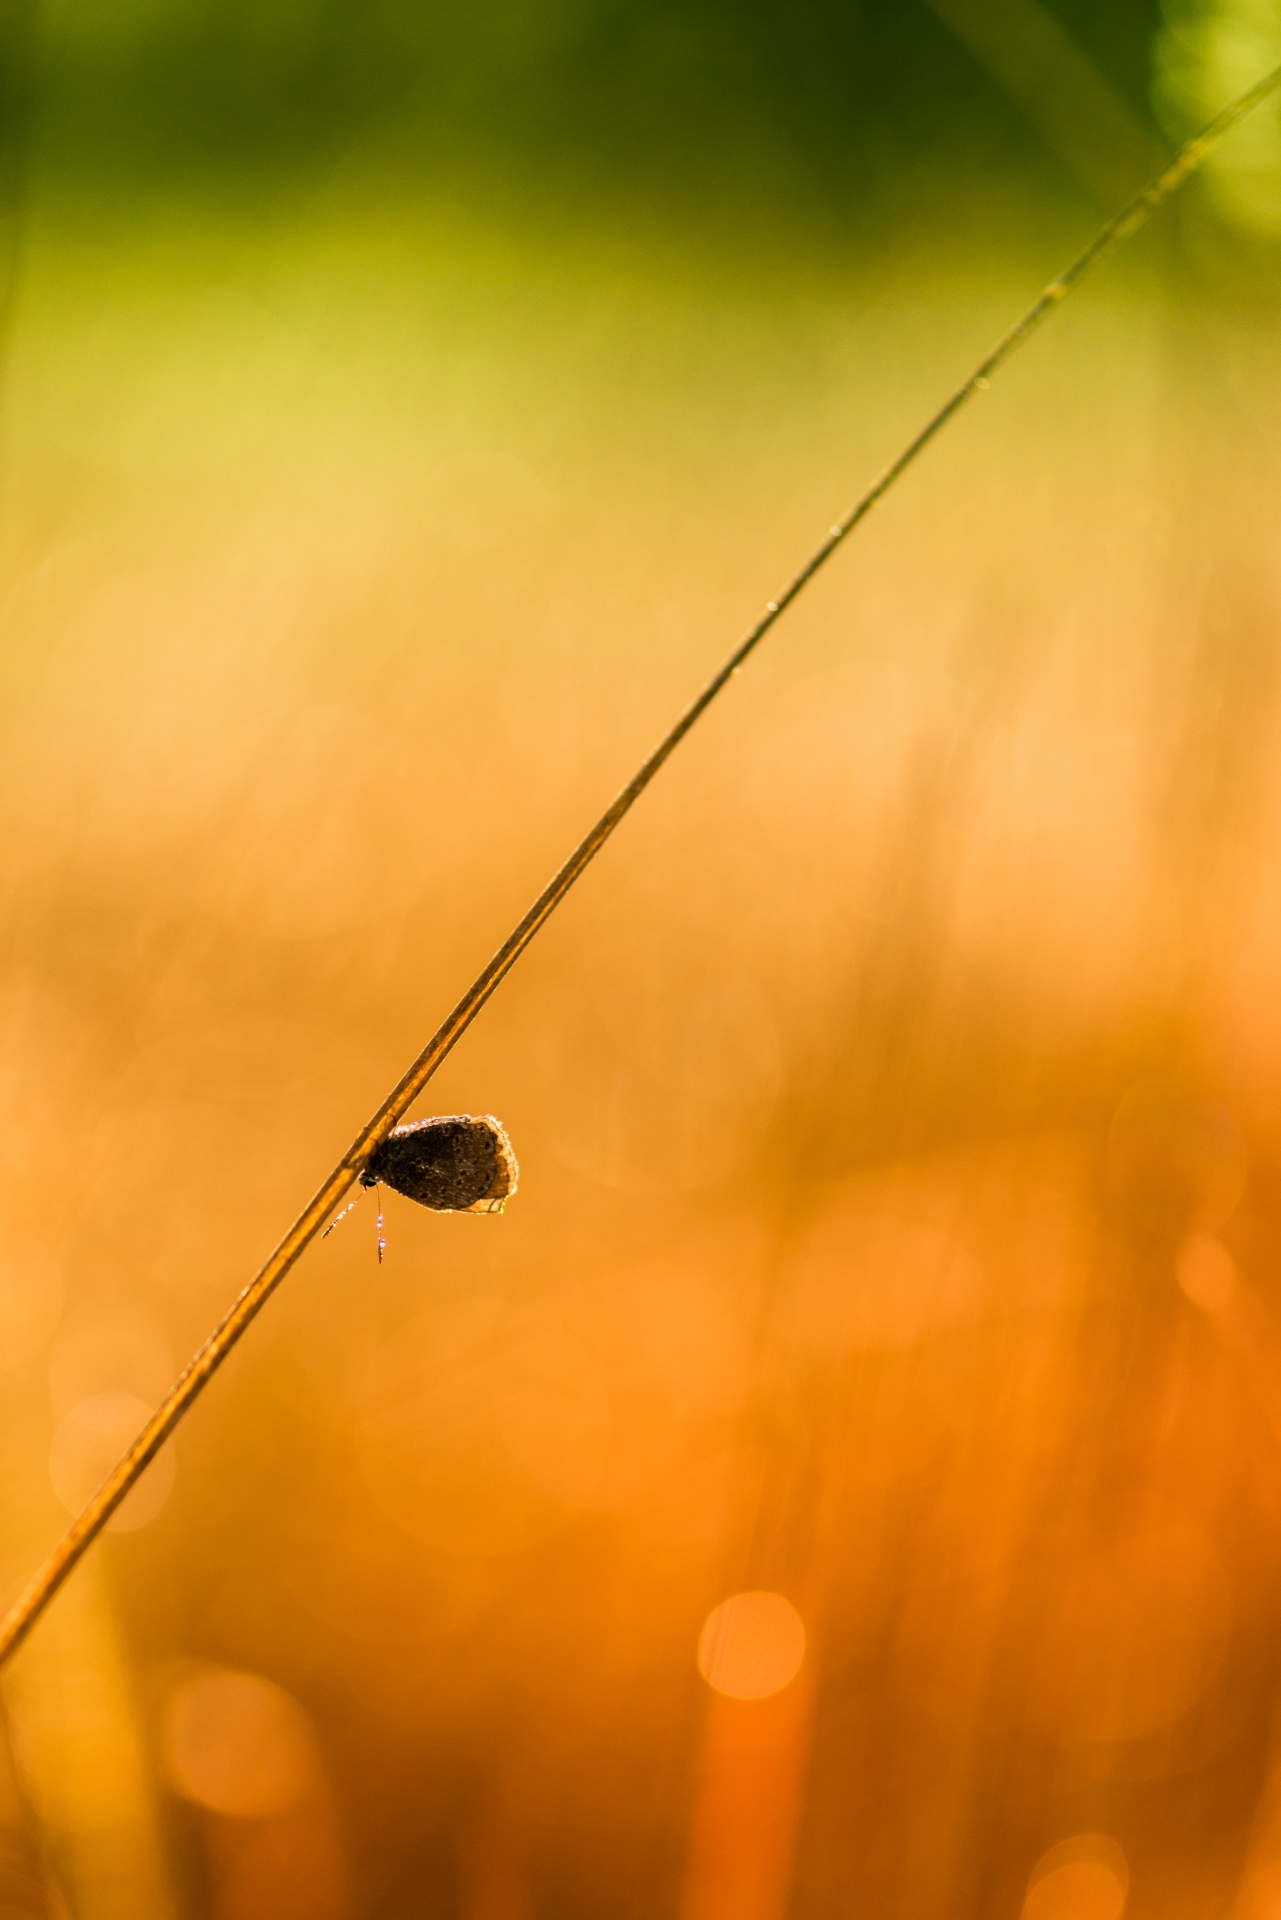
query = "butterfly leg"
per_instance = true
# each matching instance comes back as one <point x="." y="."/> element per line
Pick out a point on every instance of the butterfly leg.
<point x="339" y="1216"/>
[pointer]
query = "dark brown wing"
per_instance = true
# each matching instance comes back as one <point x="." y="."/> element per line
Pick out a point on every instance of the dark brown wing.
<point x="460" y="1163"/>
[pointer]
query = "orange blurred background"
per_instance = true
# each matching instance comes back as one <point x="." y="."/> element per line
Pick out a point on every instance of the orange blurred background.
<point x="847" y="1480"/>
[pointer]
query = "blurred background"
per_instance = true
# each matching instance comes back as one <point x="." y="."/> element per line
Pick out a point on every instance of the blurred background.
<point x="846" y="1483"/>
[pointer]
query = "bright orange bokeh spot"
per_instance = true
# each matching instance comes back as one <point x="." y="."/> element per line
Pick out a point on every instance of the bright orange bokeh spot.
<point x="1085" y="1878"/>
<point x="239" y="1744"/>
<point x="751" y="1645"/>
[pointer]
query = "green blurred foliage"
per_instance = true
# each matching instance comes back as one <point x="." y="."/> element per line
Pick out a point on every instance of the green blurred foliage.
<point x="837" y="100"/>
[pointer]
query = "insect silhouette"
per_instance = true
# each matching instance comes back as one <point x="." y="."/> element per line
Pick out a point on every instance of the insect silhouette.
<point x="460" y="1163"/>
<point x="455" y="1163"/>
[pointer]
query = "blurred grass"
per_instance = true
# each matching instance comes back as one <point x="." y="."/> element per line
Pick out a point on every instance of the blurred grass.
<point x="822" y="101"/>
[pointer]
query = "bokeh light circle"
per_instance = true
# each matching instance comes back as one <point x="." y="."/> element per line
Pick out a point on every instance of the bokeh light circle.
<point x="89" y="1441"/>
<point x="1207" y="1274"/>
<point x="1084" y="1878"/>
<point x="238" y="1744"/>
<point x="751" y="1645"/>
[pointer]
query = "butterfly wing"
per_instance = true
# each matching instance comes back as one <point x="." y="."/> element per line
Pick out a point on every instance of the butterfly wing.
<point x="458" y="1163"/>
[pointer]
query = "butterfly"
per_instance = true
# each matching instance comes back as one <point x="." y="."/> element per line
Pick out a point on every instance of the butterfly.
<point x="456" y="1163"/>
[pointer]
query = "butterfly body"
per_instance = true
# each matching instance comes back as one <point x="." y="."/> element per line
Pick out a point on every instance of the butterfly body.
<point x="457" y="1163"/>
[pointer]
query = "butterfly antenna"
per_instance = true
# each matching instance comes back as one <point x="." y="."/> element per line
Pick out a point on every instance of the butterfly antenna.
<point x="343" y="1215"/>
<point x="382" y="1239"/>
